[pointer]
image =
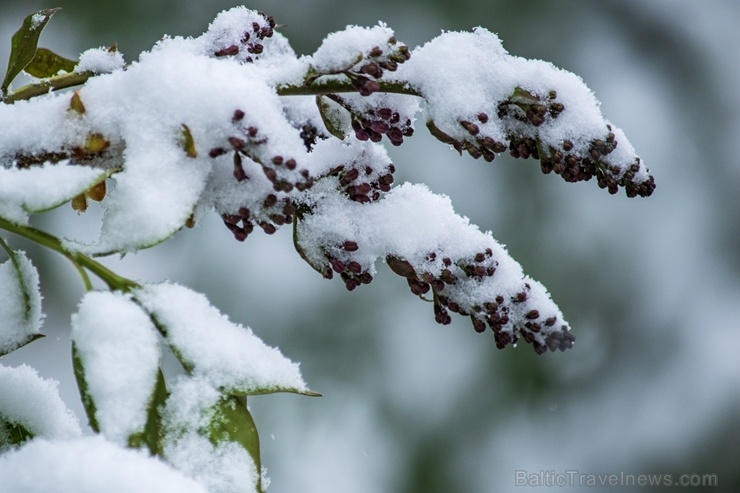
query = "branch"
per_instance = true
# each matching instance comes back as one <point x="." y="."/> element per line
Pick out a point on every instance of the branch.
<point x="80" y="261"/>
<point x="335" y="86"/>
<point x="47" y="85"/>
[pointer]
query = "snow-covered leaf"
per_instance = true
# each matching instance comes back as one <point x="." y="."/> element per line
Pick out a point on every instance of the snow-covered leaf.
<point x="23" y="44"/>
<point x="231" y="357"/>
<point x="151" y="435"/>
<point x="20" y="302"/>
<point x="211" y="437"/>
<point x="232" y="422"/>
<point x="88" y="465"/>
<point x="117" y="353"/>
<point x="30" y="406"/>
<point x="40" y="188"/>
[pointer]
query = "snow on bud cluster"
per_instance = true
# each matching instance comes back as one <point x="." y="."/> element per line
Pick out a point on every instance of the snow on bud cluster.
<point x="441" y="255"/>
<point x="236" y="122"/>
<point x="361" y="54"/>
<point x="484" y="101"/>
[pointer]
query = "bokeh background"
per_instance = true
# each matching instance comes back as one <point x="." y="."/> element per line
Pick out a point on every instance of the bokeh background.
<point x="650" y="286"/>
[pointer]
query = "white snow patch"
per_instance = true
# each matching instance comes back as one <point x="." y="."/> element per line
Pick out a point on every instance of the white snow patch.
<point x="20" y="303"/>
<point x="119" y="349"/>
<point x="88" y="465"/>
<point x="34" y="402"/>
<point x="100" y="61"/>
<point x="227" y="355"/>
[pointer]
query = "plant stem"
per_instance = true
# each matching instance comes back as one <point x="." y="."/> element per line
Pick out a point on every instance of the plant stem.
<point x="320" y="87"/>
<point x="80" y="260"/>
<point x="47" y="85"/>
<point x="334" y="86"/>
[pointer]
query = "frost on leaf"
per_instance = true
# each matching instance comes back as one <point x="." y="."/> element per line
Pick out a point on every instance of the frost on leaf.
<point x="24" y="191"/>
<point x="441" y="255"/>
<point x="20" y="303"/>
<point x="228" y="356"/>
<point x="117" y="357"/>
<point x="89" y="465"/>
<point x="30" y="406"/>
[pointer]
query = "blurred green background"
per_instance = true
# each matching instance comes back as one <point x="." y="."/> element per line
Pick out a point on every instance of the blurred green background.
<point x="649" y="286"/>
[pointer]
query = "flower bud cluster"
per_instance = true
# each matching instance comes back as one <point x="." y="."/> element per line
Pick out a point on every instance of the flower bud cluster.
<point x="252" y="161"/>
<point x="250" y="44"/>
<point x="385" y="121"/>
<point x="365" y="74"/>
<point x="362" y="182"/>
<point x="521" y="116"/>
<point x="456" y="285"/>
<point x="283" y="172"/>
<point x="341" y="259"/>
<point x="378" y="115"/>
<point x="530" y="108"/>
<point x="268" y="215"/>
<point x="475" y="140"/>
<point x="574" y="166"/>
<point x="309" y="134"/>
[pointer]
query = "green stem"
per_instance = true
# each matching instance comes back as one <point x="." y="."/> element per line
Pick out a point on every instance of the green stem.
<point x="47" y="85"/>
<point x="79" y="260"/>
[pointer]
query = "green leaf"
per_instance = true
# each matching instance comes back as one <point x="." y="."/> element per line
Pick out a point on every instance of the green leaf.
<point x="262" y="391"/>
<point x="24" y="342"/>
<point x="24" y="43"/>
<point x="153" y="430"/>
<point x="13" y="433"/>
<point x="233" y="422"/>
<point x="46" y="63"/>
<point x="87" y="400"/>
<point x="188" y="143"/>
<point x="331" y="117"/>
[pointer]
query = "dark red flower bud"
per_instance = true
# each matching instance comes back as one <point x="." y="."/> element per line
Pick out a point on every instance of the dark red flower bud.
<point x="229" y="50"/>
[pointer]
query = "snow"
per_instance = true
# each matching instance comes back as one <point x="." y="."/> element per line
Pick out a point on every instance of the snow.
<point x="100" y="61"/>
<point x="41" y="188"/>
<point x="88" y="465"/>
<point x="343" y="49"/>
<point x="220" y="89"/>
<point x="33" y="402"/>
<point x="223" y="468"/>
<point x="119" y="350"/>
<point x="448" y="72"/>
<point x="234" y="68"/>
<point x="20" y="303"/>
<point x="190" y="410"/>
<point x="227" y="355"/>
<point x="421" y="228"/>
<point x="38" y="19"/>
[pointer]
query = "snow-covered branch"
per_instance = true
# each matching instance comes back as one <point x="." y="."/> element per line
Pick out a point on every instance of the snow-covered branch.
<point x="235" y="122"/>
